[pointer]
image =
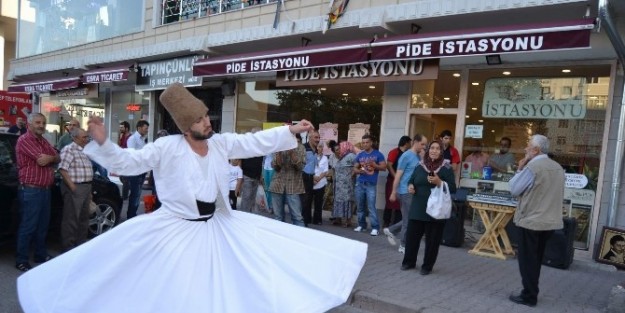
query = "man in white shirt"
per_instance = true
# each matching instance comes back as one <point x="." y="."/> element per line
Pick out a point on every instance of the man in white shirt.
<point x="136" y="141"/>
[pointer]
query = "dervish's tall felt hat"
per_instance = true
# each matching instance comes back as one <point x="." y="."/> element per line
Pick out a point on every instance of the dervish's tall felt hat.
<point x="184" y="107"/>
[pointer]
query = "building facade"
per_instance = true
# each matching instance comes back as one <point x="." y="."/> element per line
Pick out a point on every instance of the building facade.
<point x="485" y="69"/>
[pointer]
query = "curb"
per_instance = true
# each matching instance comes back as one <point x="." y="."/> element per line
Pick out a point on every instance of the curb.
<point x="373" y="303"/>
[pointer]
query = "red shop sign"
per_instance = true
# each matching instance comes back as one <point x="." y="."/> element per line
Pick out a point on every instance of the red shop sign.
<point x="49" y="107"/>
<point x="133" y="107"/>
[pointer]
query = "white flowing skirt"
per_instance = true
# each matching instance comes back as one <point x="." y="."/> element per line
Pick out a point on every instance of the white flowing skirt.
<point x="237" y="262"/>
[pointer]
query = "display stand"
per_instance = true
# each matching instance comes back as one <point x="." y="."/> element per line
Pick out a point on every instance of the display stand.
<point x="495" y="218"/>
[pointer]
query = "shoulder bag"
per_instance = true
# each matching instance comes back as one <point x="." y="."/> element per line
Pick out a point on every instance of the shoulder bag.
<point x="439" y="202"/>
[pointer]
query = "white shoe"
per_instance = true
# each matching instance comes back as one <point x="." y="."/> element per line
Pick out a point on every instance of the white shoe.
<point x="390" y="237"/>
<point x="358" y="229"/>
<point x="374" y="232"/>
<point x="402" y="249"/>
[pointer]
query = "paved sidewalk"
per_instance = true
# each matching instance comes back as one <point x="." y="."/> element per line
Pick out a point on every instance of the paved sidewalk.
<point x="461" y="282"/>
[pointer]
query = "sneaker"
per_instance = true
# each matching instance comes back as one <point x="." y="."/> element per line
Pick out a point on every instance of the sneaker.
<point x="358" y="229"/>
<point x="390" y="237"/>
<point x="402" y="249"/>
<point x="374" y="232"/>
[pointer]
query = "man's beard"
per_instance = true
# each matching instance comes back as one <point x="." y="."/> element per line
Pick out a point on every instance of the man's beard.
<point x="199" y="136"/>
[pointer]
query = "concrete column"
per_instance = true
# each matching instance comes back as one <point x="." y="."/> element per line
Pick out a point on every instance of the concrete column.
<point x="228" y="114"/>
<point x="394" y="110"/>
<point x="394" y="125"/>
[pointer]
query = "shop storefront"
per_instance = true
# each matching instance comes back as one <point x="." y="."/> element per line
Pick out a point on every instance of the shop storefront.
<point x="60" y="100"/>
<point x="122" y="103"/>
<point x="566" y="102"/>
<point x="503" y="107"/>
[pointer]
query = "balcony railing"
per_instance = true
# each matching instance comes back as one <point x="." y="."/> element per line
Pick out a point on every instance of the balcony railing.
<point x="181" y="10"/>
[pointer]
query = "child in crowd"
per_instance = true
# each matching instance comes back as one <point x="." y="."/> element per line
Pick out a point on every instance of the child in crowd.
<point x="236" y="180"/>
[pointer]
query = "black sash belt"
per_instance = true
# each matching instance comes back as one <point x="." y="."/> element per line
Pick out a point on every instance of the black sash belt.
<point x="204" y="208"/>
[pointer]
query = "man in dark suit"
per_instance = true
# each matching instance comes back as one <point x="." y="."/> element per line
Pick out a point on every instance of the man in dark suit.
<point x="617" y="249"/>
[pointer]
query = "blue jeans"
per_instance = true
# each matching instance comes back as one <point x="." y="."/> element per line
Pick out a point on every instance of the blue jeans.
<point x="249" y="187"/>
<point x="295" y="207"/>
<point x="34" y="221"/>
<point x="135" y="183"/>
<point x="405" y="201"/>
<point x="365" y="195"/>
<point x="267" y="176"/>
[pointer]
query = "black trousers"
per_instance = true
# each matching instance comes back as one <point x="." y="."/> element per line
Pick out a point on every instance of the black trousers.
<point x="433" y="232"/>
<point x="125" y="186"/>
<point x="391" y="216"/>
<point x="530" y="255"/>
<point x="233" y="199"/>
<point x="318" y="200"/>
<point x="307" y="198"/>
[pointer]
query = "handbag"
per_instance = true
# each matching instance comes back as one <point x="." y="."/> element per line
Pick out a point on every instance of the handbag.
<point x="439" y="203"/>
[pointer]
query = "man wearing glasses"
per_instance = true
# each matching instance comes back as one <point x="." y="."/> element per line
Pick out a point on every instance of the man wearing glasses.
<point x="66" y="139"/>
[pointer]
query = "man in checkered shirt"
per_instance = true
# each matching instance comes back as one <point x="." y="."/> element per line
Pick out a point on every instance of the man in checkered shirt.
<point x="75" y="167"/>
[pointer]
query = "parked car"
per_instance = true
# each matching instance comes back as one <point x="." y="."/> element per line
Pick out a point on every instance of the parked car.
<point x="105" y="193"/>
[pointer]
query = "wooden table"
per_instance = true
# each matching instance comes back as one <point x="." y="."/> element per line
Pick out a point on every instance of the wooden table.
<point x="495" y="218"/>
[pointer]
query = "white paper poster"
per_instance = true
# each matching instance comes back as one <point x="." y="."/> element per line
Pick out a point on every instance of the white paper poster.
<point x="327" y="132"/>
<point x="474" y="131"/>
<point x="356" y="131"/>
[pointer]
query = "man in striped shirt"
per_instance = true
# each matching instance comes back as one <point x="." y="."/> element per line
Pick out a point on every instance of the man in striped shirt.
<point x="77" y="172"/>
<point x="35" y="161"/>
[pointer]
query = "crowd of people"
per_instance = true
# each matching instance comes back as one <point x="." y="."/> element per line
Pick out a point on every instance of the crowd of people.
<point x="414" y="168"/>
<point x="37" y="162"/>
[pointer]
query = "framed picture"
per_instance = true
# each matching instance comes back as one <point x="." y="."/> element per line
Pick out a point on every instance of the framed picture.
<point x="612" y="249"/>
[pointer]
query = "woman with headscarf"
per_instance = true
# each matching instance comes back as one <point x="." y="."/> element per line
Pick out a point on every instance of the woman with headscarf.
<point x="431" y="172"/>
<point x="328" y="198"/>
<point x="344" y="184"/>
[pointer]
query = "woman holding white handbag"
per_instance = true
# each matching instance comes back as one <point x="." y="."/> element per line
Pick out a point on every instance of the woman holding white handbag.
<point x="431" y="173"/>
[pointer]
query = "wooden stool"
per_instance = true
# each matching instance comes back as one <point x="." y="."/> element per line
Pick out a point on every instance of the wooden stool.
<point x="489" y="244"/>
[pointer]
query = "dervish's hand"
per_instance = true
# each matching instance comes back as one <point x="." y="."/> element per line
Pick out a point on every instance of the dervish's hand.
<point x="302" y="126"/>
<point x="97" y="130"/>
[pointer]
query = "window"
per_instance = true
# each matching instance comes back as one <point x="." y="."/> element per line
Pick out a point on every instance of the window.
<point x="441" y="93"/>
<point x="263" y="105"/>
<point x="53" y="25"/>
<point x="180" y="10"/>
<point x="532" y="101"/>
<point x="8" y="169"/>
